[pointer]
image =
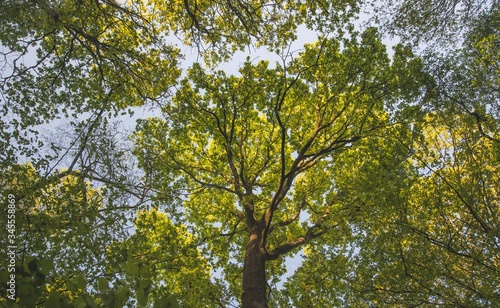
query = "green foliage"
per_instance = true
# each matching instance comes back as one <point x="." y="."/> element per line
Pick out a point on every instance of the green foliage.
<point x="67" y="59"/>
<point x="429" y="21"/>
<point x="424" y="201"/>
<point x="260" y="143"/>
<point x="151" y="268"/>
<point x="381" y="171"/>
<point x="55" y="218"/>
<point x="64" y="229"/>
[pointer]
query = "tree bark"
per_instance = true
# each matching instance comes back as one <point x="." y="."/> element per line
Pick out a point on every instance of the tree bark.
<point x="254" y="272"/>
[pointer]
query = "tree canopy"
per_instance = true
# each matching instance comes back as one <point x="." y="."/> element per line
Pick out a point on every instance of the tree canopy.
<point x="376" y="168"/>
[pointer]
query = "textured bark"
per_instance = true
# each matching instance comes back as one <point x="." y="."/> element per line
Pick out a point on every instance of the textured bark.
<point x="254" y="272"/>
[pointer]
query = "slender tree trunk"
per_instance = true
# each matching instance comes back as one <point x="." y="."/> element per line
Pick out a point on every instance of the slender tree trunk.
<point x="254" y="272"/>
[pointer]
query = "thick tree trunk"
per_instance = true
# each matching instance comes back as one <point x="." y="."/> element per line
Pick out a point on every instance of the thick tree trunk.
<point x="254" y="272"/>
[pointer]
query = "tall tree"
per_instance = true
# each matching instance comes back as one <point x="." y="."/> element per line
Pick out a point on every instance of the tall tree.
<point x="252" y="152"/>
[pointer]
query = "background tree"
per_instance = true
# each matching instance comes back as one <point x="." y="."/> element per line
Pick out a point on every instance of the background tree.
<point x="161" y="264"/>
<point x="429" y="22"/>
<point x="73" y="250"/>
<point x="429" y="235"/>
<point x="59" y="219"/>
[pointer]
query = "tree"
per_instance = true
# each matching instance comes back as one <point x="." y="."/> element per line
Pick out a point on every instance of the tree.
<point x="94" y="60"/>
<point x="380" y="171"/>
<point x="430" y="22"/>
<point x="149" y="260"/>
<point x="87" y="62"/>
<point x="59" y="219"/>
<point x="426" y="229"/>
<point x="429" y="235"/>
<point x="72" y="247"/>
<point x="87" y="57"/>
<point x="251" y="153"/>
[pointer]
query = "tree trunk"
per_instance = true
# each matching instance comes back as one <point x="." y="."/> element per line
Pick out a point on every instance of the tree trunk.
<point x="254" y="272"/>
